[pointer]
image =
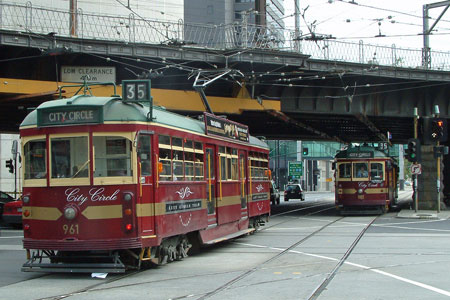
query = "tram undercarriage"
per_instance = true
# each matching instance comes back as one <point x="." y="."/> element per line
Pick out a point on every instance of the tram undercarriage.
<point x="116" y="261"/>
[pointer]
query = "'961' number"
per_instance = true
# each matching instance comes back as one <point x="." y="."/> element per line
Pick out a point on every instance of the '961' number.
<point x="70" y="229"/>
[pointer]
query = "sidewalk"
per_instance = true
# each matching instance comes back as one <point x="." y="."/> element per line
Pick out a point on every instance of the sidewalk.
<point x="423" y="214"/>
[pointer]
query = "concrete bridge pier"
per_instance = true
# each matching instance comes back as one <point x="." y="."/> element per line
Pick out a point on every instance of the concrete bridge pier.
<point x="427" y="181"/>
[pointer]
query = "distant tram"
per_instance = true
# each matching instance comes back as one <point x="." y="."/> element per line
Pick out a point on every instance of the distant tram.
<point x="365" y="180"/>
<point x="111" y="183"/>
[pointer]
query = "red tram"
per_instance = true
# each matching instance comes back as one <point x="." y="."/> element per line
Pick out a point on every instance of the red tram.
<point x="111" y="183"/>
<point x="365" y="180"/>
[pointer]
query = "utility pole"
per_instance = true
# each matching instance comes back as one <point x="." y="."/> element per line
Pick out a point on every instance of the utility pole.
<point x="73" y="18"/>
<point x="426" y="53"/>
<point x="297" y="25"/>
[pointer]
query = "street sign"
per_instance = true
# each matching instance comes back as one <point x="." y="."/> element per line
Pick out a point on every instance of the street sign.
<point x="416" y="169"/>
<point x="295" y="169"/>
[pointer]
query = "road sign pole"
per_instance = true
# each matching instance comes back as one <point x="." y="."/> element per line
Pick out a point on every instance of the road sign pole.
<point x="416" y="197"/>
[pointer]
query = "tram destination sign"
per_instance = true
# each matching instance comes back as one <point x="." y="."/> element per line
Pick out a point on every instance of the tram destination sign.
<point x="74" y="115"/>
<point x="225" y="128"/>
<point x="360" y="155"/>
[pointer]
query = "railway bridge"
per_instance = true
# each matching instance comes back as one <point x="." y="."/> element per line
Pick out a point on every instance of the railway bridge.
<point x="282" y="87"/>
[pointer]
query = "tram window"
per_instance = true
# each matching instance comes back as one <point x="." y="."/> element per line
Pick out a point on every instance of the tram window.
<point x="234" y="165"/>
<point x="69" y="157"/>
<point x="376" y="171"/>
<point x="345" y="170"/>
<point x="360" y="170"/>
<point x="189" y="163"/>
<point x="145" y="154"/>
<point x="229" y="168"/>
<point x="112" y="156"/>
<point x="199" y="161"/>
<point x="35" y="154"/>
<point x="223" y="163"/>
<point x="210" y="165"/>
<point x="165" y="158"/>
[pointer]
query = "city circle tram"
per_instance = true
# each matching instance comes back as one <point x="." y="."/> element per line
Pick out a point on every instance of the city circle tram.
<point x="365" y="180"/>
<point x="111" y="183"/>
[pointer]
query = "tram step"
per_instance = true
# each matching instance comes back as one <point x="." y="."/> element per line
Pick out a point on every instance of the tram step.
<point x="230" y="236"/>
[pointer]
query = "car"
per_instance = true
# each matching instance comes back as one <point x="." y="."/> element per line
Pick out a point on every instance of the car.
<point x="12" y="214"/>
<point x="293" y="191"/>
<point x="274" y="193"/>
<point x="4" y="198"/>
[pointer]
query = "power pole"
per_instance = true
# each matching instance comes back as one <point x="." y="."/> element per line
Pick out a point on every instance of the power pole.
<point x="426" y="55"/>
<point x="297" y="25"/>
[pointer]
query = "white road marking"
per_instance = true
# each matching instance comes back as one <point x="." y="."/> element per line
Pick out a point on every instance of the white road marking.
<point x="413" y="282"/>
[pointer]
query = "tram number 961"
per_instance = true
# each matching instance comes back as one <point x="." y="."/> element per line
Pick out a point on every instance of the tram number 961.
<point x="70" y="229"/>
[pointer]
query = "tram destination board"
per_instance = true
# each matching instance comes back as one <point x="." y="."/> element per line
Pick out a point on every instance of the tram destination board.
<point x="295" y="169"/>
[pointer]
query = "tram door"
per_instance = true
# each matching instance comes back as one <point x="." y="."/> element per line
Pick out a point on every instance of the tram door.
<point x="210" y="176"/>
<point x="145" y="206"/>
<point x="243" y="183"/>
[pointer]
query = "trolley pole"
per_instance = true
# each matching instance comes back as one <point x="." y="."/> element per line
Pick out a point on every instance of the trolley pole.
<point x="416" y="196"/>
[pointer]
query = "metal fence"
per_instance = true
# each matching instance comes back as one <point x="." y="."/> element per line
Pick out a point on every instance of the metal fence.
<point x="132" y="29"/>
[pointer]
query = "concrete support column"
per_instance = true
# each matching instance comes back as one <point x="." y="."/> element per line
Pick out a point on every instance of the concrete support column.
<point x="427" y="181"/>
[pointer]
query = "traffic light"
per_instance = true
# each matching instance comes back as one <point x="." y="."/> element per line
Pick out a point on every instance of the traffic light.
<point x="10" y="166"/>
<point x="305" y="151"/>
<point x="438" y="130"/>
<point x="413" y="153"/>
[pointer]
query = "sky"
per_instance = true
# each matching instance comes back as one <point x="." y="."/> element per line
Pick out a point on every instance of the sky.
<point x="380" y="22"/>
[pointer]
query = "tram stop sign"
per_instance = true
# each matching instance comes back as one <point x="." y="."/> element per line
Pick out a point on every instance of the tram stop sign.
<point x="295" y="170"/>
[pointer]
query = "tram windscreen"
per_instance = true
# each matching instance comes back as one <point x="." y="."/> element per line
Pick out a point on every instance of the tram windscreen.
<point x="360" y="170"/>
<point x="35" y="159"/>
<point x="69" y="157"/>
<point x="376" y="171"/>
<point x="112" y="156"/>
<point x="345" y="170"/>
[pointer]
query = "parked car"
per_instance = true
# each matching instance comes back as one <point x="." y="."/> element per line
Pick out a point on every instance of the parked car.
<point x="274" y="193"/>
<point x="293" y="191"/>
<point x="4" y="198"/>
<point x="12" y="213"/>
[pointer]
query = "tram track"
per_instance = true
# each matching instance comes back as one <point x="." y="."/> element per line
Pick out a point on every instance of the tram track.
<point x="321" y="287"/>
<point x="257" y="267"/>
<point x="98" y="286"/>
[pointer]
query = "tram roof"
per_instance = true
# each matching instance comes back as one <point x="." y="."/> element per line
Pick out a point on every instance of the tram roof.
<point x="113" y="109"/>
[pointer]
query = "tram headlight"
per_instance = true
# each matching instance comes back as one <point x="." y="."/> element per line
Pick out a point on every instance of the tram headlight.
<point x="127" y="196"/>
<point x="360" y="191"/>
<point x="70" y="213"/>
<point x="26" y="199"/>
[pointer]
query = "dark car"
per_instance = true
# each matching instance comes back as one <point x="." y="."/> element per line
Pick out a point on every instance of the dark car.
<point x="12" y="214"/>
<point x="293" y="191"/>
<point x="4" y="198"/>
<point x="274" y="194"/>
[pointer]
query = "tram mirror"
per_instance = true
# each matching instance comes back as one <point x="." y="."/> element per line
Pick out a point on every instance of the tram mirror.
<point x="333" y="165"/>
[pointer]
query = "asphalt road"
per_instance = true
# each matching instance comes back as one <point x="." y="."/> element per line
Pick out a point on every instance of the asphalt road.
<point x="290" y="258"/>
